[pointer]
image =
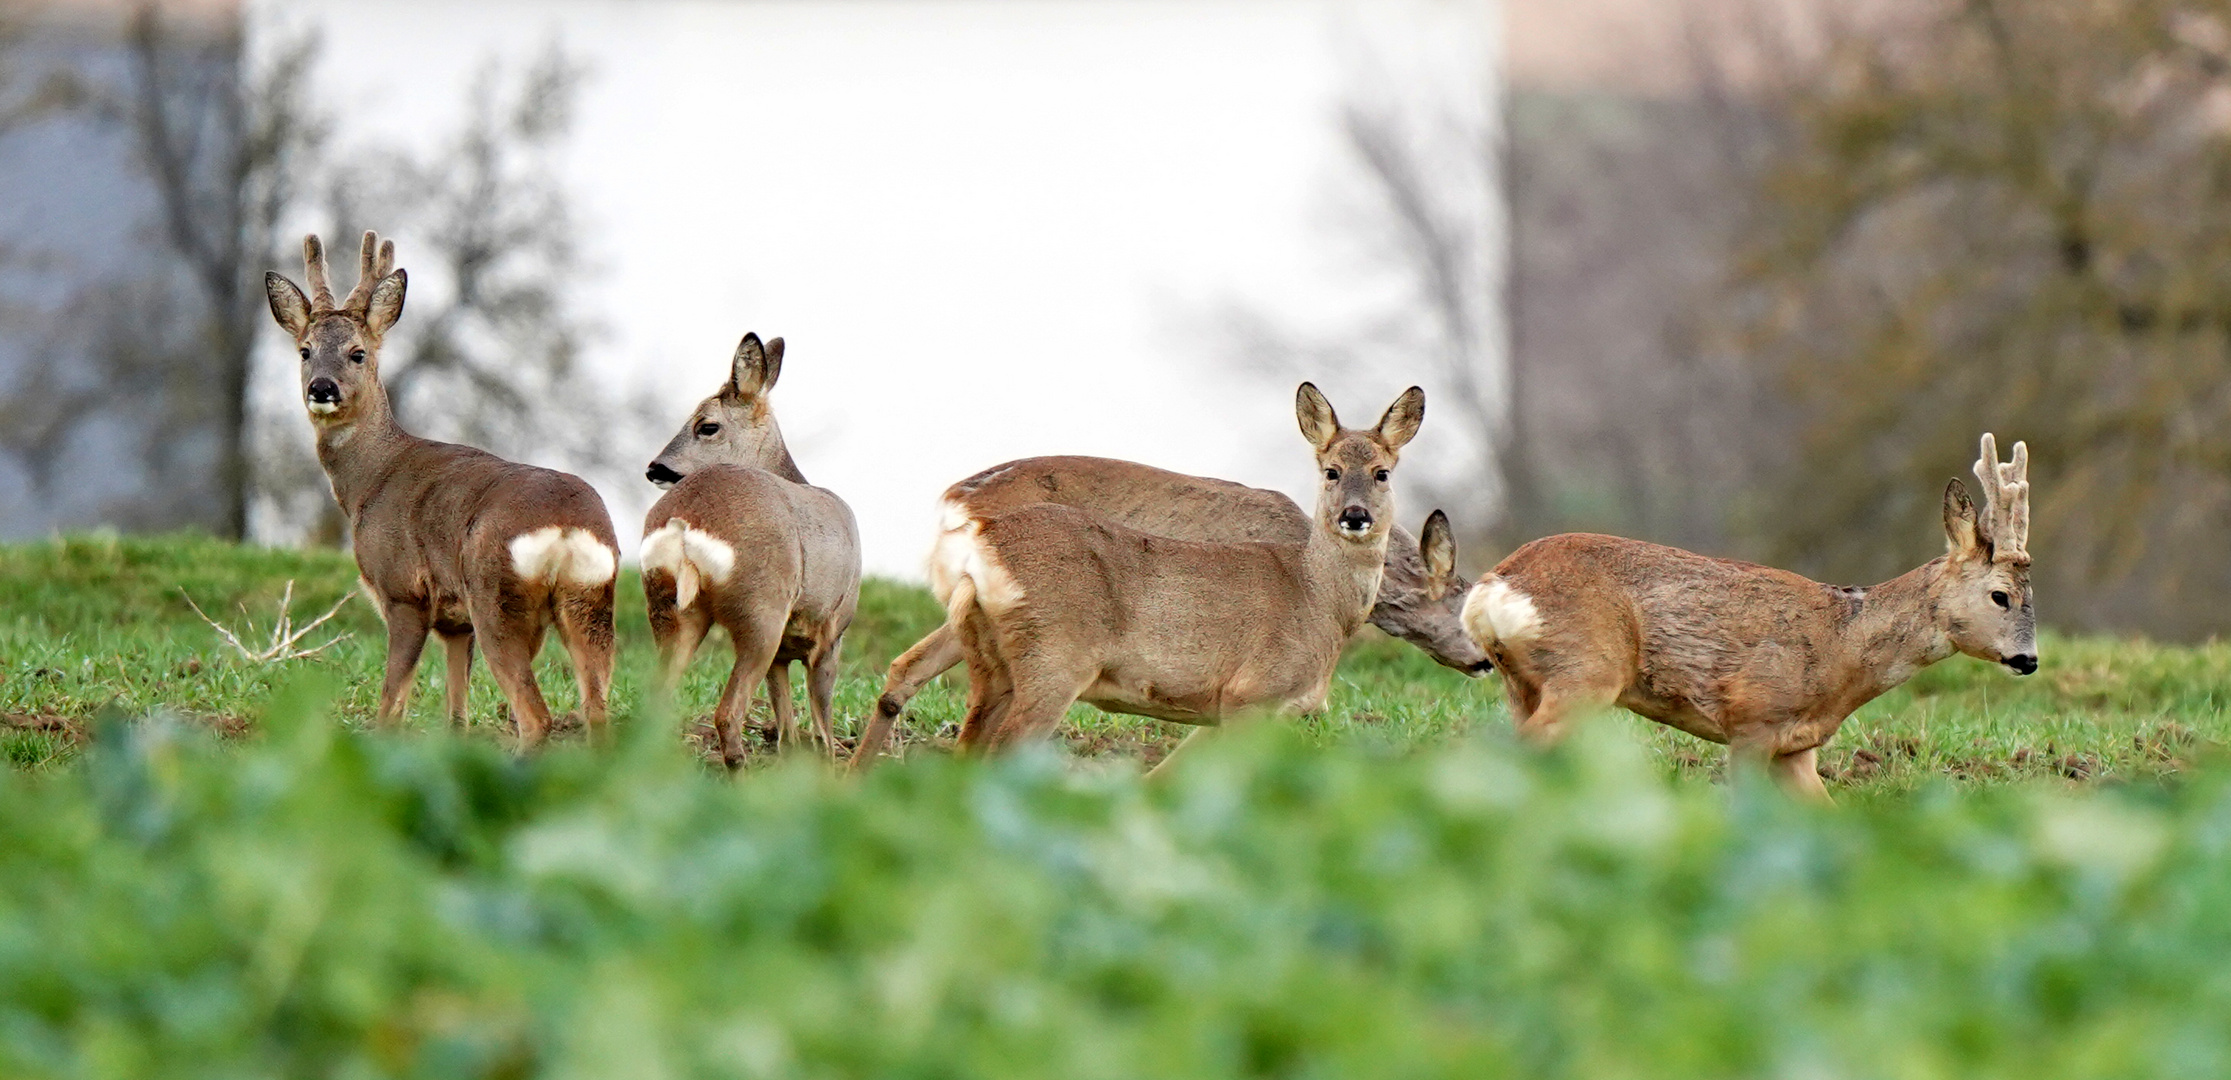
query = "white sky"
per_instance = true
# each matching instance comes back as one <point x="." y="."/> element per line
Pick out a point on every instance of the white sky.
<point x="980" y="224"/>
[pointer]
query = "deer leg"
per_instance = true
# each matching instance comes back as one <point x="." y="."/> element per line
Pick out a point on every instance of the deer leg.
<point x="1550" y="709"/>
<point x="1799" y="774"/>
<point x="986" y="711"/>
<point x="991" y="682"/>
<point x="821" y="691"/>
<point x="585" y="626"/>
<point x="930" y="657"/>
<point x="677" y="642"/>
<point x="510" y="644"/>
<point x="1553" y="718"/>
<point x="755" y="654"/>
<point x="1036" y="706"/>
<point x="787" y="732"/>
<point x="458" y="672"/>
<point x="1193" y="737"/>
<point x="406" y="639"/>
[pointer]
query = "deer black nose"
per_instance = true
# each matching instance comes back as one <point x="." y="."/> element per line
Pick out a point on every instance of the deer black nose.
<point x="659" y="474"/>
<point x="325" y="391"/>
<point x="1355" y="519"/>
<point x="2023" y="664"/>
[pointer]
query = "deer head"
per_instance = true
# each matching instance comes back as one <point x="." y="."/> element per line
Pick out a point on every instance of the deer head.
<point x="1421" y="598"/>
<point x="734" y="426"/>
<point x="340" y="343"/>
<point x="1356" y="502"/>
<point x="1984" y="593"/>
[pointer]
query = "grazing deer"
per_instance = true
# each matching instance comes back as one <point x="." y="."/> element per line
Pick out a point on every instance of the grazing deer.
<point x="740" y="540"/>
<point x="1052" y="603"/>
<point x="449" y="539"/>
<point x="1419" y="598"/>
<point x="1762" y="660"/>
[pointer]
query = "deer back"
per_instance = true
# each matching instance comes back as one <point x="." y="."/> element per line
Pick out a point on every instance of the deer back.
<point x="1413" y="602"/>
<point x="1076" y="591"/>
<point x="758" y="537"/>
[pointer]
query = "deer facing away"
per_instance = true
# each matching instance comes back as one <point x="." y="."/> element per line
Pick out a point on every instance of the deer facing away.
<point x="1419" y="599"/>
<point x="741" y="541"/>
<point x="449" y="539"/>
<point x="1762" y="660"/>
<point x="1052" y="604"/>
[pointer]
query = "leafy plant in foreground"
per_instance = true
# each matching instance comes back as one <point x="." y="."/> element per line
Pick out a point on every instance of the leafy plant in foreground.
<point x="322" y="902"/>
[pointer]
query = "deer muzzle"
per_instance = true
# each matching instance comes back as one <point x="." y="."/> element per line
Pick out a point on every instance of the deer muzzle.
<point x="324" y="395"/>
<point x="1354" y="520"/>
<point x="662" y="475"/>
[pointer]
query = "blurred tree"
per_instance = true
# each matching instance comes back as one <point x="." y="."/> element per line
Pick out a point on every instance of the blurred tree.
<point x="1989" y="215"/>
<point x="228" y="142"/>
<point x="1542" y="266"/>
<point x="235" y="154"/>
<point x="103" y="387"/>
<point x="490" y="351"/>
<point x="1425" y="228"/>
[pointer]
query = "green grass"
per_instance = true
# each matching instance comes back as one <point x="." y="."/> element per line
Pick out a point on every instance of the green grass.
<point x="93" y="623"/>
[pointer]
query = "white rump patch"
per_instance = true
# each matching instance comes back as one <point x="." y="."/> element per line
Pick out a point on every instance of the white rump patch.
<point x="952" y="515"/>
<point x="960" y="553"/>
<point x="694" y="556"/>
<point x="1495" y="612"/>
<point x="555" y="553"/>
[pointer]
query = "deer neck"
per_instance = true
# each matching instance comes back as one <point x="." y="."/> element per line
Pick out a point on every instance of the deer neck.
<point x="771" y="453"/>
<point x="359" y="453"/>
<point x="1895" y="630"/>
<point x="1344" y="574"/>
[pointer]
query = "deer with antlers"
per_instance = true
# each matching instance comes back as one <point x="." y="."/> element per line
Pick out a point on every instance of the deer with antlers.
<point x="449" y="539"/>
<point x="1419" y="599"/>
<point x="1762" y="660"/>
<point x="741" y="541"/>
<point x="1051" y="604"/>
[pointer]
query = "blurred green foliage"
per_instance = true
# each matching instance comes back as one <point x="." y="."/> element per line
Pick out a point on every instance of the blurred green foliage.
<point x="323" y="902"/>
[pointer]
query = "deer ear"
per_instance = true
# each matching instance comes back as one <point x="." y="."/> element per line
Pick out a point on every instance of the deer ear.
<point x="774" y="364"/>
<point x="755" y="367"/>
<point x="288" y="305"/>
<point x="1319" y="424"/>
<point x="1400" y="424"/>
<point x="1438" y="545"/>
<point x="386" y="304"/>
<point x="1963" y="536"/>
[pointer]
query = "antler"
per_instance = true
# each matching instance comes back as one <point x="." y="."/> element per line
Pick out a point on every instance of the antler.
<point x="313" y="262"/>
<point x="375" y="262"/>
<point x="2006" y="500"/>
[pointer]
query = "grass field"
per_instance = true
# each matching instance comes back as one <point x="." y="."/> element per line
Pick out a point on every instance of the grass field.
<point x="210" y="868"/>
<point x="97" y="623"/>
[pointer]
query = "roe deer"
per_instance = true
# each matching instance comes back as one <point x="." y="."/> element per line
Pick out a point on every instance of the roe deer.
<point x="1418" y="601"/>
<point x="741" y="541"/>
<point x="1760" y="659"/>
<point x="449" y="539"/>
<point x="1052" y="603"/>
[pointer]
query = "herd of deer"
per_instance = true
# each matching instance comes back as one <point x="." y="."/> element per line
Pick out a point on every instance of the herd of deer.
<point x="1074" y="578"/>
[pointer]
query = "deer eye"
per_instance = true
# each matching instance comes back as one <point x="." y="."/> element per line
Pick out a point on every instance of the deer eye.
<point x="1998" y="596"/>
<point x="1332" y="474"/>
<point x="707" y="431"/>
<point x="356" y="355"/>
<point x="1380" y="476"/>
<point x="305" y="352"/>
